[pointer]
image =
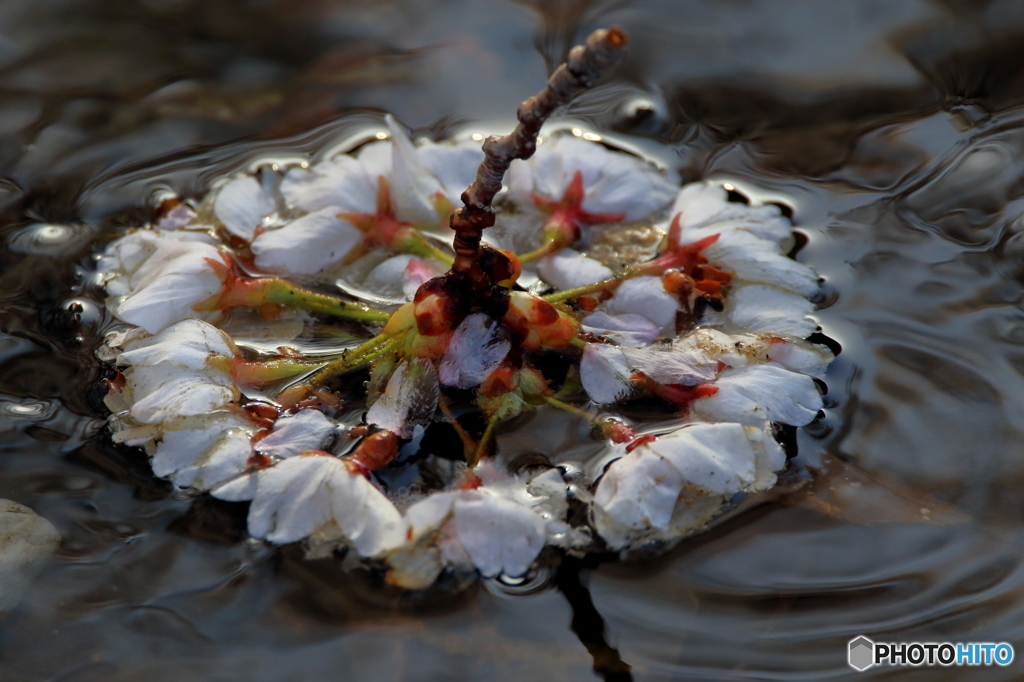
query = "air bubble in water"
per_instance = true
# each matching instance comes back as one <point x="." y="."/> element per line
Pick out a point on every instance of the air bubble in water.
<point x="47" y="239"/>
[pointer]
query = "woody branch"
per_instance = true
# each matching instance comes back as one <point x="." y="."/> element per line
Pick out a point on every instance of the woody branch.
<point x="602" y="50"/>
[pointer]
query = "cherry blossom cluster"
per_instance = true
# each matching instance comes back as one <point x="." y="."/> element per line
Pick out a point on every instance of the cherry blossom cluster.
<point x="298" y="340"/>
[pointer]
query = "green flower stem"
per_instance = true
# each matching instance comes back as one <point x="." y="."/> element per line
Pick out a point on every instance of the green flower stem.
<point x="572" y="409"/>
<point x="545" y="250"/>
<point x="349" y="359"/>
<point x="484" y="444"/>
<point x="283" y="292"/>
<point x="418" y="244"/>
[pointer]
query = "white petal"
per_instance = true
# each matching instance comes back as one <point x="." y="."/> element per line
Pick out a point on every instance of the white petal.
<point x="412" y="185"/>
<point x="162" y="393"/>
<point x="428" y="515"/>
<point x="640" y="490"/>
<point x="187" y="344"/>
<point x="605" y="373"/>
<point x="476" y="349"/>
<point x="241" y="206"/>
<point x="717" y="457"/>
<point x="627" y="329"/>
<point x="308" y="244"/>
<point x="770" y="456"/>
<point x="500" y="535"/>
<point x="453" y="165"/>
<point x="613" y="182"/>
<point x="342" y="181"/>
<point x="316" y="494"/>
<point x="164" y="289"/>
<point x="678" y="364"/>
<point x="758" y="308"/>
<point x="409" y="399"/>
<point x="704" y="210"/>
<point x="306" y="430"/>
<point x="751" y="395"/>
<point x="177" y="218"/>
<point x="801" y="357"/>
<point x="644" y="296"/>
<point x="752" y="259"/>
<point x="399" y="277"/>
<point x="204" y="451"/>
<point x="569" y="269"/>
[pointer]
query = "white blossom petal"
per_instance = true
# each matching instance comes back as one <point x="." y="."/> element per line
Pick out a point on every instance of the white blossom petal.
<point x="627" y="329"/>
<point x="342" y="181"/>
<point x="613" y="182"/>
<point x="804" y="358"/>
<point x="569" y="269"/>
<point x="752" y="259"/>
<point x="163" y="392"/>
<point x="644" y="296"/>
<point x="409" y="399"/>
<point x="476" y="349"/>
<point x="241" y="205"/>
<point x="681" y="363"/>
<point x="758" y="393"/>
<point x="605" y="373"/>
<point x="311" y="494"/>
<point x="704" y="210"/>
<point x="717" y="457"/>
<point x="400" y="276"/>
<point x="308" y="244"/>
<point x="166" y="285"/>
<point x="758" y="308"/>
<point x="306" y="430"/>
<point x="204" y="451"/>
<point x="501" y="537"/>
<point x="639" y="490"/>
<point x="187" y="344"/>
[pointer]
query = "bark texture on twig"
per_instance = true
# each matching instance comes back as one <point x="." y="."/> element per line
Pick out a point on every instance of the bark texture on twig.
<point x="603" y="49"/>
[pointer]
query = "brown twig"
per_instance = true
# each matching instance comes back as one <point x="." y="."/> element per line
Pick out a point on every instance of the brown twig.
<point x="603" y="49"/>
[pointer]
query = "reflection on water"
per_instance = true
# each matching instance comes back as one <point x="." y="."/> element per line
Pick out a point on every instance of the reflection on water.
<point x="894" y="131"/>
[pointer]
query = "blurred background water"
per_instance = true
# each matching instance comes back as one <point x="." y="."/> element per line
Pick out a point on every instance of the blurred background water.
<point x="893" y="128"/>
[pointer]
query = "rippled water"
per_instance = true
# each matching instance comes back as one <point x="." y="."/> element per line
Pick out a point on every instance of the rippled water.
<point x="893" y="128"/>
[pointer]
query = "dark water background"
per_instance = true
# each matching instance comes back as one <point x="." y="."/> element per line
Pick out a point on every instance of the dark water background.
<point x="895" y="129"/>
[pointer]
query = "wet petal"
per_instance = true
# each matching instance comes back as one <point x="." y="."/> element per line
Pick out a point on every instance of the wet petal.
<point x="605" y="373"/>
<point x="162" y="393"/>
<point x="306" y="430"/>
<point x="704" y="210"/>
<point x="760" y="261"/>
<point x="316" y="494"/>
<point x="308" y="244"/>
<point x="569" y="269"/>
<point x="717" y="457"/>
<point x="187" y="344"/>
<point x="682" y="363"/>
<point x="805" y="358"/>
<point x="759" y="308"/>
<point x="342" y="181"/>
<point x="409" y="399"/>
<point x="501" y="537"/>
<point x="644" y="296"/>
<point x="627" y="329"/>
<point x="758" y="393"/>
<point x="204" y="451"/>
<point x="640" y="490"/>
<point x="476" y="349"/>
<point x="241" y="205"/>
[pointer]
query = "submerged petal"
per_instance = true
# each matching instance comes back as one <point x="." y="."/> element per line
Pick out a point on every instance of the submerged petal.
<point x="476" y="349"/>
<point x="605" y="373"/>
<point x="308" y="429"/>
<point x="409" y="399"/>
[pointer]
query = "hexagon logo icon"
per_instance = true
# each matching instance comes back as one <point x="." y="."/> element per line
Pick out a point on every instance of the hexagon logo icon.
<point x="861" y="654"/>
